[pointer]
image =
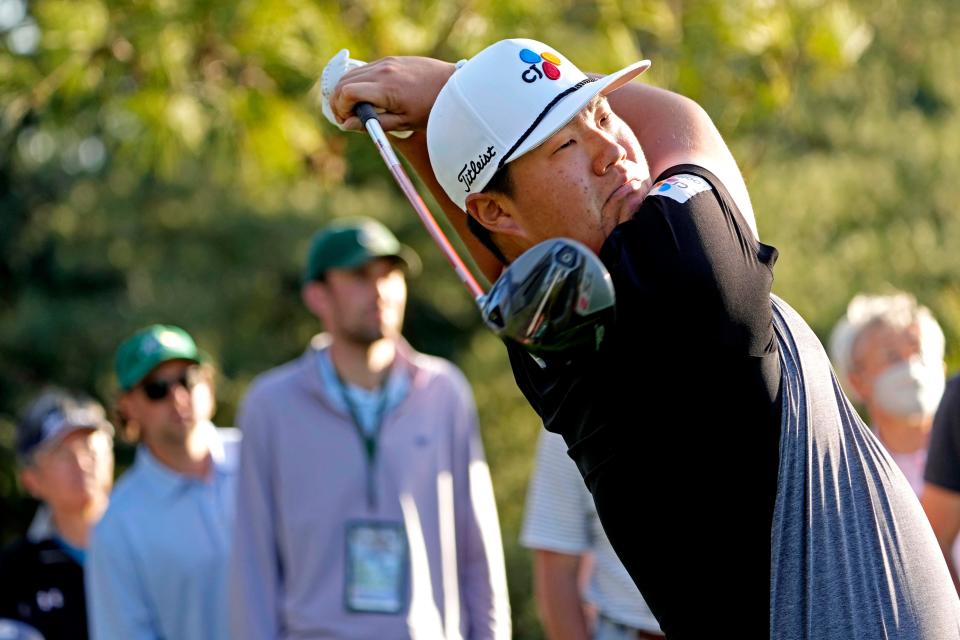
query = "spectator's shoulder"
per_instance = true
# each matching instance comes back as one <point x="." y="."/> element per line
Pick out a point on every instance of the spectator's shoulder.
<point x="229" y="436"/>
<point x="947" y="419"/>
<point x="276" y="381"/>
<point x="951" y="394"/>
<point x="16" y="554"/>
<point x="438" y="371"/>
<point x="19" y="562"/>
<point x="126" y="499"/>
<point x="230" y="439"/>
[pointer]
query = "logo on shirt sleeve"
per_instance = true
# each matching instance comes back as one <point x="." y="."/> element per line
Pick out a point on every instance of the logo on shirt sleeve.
<point x="680" y="187"/>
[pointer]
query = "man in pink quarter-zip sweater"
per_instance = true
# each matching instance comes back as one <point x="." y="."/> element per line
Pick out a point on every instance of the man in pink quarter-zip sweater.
<point x="365" y="507"/>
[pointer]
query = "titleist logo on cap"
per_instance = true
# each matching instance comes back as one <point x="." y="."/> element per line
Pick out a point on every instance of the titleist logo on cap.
<point x="471" y="170"/>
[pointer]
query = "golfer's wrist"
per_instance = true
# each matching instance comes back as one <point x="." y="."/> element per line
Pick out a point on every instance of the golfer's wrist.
<point x="450" y="68"/>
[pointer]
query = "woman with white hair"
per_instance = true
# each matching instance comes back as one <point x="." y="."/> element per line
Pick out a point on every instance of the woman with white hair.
<point x="888" y="352"/>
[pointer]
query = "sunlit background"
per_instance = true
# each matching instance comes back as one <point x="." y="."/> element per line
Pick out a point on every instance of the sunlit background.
<point x="164" y="161"/>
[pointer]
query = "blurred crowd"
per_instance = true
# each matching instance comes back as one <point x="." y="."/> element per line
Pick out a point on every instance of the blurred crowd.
<point x="354" y="500"/>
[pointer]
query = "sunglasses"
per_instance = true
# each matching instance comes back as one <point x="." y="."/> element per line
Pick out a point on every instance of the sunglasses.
<point x="158" y="388"/>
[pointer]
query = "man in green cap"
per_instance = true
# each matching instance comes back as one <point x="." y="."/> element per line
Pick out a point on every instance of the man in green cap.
<point x="158" y="558"/>
<point x="365" y="507"/>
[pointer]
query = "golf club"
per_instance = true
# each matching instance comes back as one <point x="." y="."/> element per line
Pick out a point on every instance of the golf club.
<point x="368" y="116"/>
<point x="555" y="296"/>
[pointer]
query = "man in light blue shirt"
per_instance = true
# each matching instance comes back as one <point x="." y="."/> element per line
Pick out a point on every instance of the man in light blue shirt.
<point x="157" y="565"/>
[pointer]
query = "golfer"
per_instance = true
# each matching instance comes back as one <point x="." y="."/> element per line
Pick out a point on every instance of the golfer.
<point x="709" y="411"/>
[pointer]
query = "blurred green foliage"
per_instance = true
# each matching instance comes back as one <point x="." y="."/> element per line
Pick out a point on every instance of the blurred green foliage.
<point x="163" y="161"/>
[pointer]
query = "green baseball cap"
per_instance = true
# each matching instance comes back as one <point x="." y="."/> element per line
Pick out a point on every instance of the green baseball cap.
<point x="153" y="345"/>
<point x="349" y="244"/>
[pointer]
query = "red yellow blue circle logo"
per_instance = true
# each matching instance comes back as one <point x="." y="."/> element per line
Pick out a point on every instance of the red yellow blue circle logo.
<point x="548" y="62"/>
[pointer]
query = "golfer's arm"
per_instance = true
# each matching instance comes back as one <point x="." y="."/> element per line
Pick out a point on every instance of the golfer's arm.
<point x="672" y="130"/>
<point x="414" y="150"/>
<point x="555" y="584"/>
<point x="942" y="507"/>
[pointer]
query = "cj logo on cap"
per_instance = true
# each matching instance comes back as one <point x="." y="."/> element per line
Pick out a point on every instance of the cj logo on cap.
<point x="547" y="62"/>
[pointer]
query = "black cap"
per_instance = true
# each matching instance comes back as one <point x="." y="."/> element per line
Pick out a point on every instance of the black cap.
<point x="53" y="415"/>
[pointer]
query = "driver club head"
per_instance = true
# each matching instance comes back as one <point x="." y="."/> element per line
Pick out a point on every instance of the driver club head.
<point x="557" y="296"/>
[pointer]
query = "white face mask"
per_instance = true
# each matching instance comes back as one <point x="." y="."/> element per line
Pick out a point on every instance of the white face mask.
<point x="910" y="389"/>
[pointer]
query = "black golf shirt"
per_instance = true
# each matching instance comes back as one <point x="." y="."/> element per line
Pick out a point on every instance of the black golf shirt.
<point x="42" y="586"/>
<point x="674" y="422"/>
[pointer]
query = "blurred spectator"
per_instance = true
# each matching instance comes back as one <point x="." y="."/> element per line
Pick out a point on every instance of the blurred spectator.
<point x="941" y="493"/>
<point x="562" y="527"/>
<point x="65" y="453"/>
<point x="888" y="352"/>
<point x="365" y="505"/>
<point x="158" y="558"/>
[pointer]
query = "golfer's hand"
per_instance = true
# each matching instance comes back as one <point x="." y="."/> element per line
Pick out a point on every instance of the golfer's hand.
<point x="403" y="89"/>
<point x="333" y="72"/>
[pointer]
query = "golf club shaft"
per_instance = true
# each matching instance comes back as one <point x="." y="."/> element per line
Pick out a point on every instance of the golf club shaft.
<point x="368" y="116"/>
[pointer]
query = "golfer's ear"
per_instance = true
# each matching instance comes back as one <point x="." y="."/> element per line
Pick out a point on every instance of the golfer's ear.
<point x="494" y="212"/>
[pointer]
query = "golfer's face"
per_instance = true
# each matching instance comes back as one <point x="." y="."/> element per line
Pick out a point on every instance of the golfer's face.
<point x="583" y="181"/>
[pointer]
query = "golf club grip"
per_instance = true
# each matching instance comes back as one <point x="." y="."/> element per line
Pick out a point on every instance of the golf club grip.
<point x="365" y="111"/>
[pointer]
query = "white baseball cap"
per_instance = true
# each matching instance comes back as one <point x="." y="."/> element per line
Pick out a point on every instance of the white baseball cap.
<point x="502" y="103"/>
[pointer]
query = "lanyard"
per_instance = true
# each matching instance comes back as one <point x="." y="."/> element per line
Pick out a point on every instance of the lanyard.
<point x="369" y="440"/>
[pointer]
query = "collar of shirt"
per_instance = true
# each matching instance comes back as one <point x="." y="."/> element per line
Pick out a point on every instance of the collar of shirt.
<point x="78" y="554"/>
<point x="167" y="482"/>
<point x="367" y="402"/>
<point x="41" y="527"/>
